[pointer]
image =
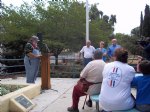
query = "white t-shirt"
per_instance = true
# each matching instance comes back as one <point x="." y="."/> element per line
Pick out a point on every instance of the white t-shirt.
<point x="88" y="51"/>
<point x="93" y="73"/>
<point x="116" y="87"/>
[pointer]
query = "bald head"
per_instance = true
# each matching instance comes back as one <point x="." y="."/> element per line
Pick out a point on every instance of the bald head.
<point x="88" y="43"/>
<point x="114" y="41"/>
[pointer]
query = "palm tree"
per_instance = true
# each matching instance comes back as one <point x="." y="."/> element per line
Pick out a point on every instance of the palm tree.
<point x="106" y="18"/>
<point x="112" y="19"/>
<point x="94" y="12"/>
<point x="101" y="13"/>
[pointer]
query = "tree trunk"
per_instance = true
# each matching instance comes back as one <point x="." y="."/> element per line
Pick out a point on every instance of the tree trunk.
<point x="56" y="59"/>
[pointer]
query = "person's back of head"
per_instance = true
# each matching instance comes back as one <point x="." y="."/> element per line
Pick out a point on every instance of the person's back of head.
<point x="144" y="67"/>
<point x="121" y="55"/>
<point x="98" y="54"/>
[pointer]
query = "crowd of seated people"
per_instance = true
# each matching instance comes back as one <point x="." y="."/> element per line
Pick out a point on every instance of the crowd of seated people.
<point x="118" y="78"/>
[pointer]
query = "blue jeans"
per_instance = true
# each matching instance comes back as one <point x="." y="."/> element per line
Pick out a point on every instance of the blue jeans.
<point x="87" y="60"/>
<point x="143" y="108"/>
<point x="31" y="68"/>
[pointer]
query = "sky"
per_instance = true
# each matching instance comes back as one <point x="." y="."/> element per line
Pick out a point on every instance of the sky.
<point x="127" y="11"/>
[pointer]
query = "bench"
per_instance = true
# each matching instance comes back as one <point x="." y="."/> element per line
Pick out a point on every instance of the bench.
<point x="95" y="98"/>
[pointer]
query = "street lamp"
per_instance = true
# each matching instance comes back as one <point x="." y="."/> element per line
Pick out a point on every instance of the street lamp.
<point x="87" y="20"/>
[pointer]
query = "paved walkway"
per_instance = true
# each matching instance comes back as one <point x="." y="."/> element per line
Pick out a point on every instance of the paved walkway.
<point x="56" y="99"/>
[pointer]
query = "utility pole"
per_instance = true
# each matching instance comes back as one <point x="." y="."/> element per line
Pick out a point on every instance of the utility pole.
<point x="87" y="20"/>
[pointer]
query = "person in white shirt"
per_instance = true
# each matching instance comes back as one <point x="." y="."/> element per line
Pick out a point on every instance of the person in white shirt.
<point x="91" y="73"/>
<point x="116" y="86"/>
<point x="88" y="52"/>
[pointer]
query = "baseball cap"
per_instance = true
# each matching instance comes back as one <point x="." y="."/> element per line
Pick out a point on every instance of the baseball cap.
<point x="35" y="38"/>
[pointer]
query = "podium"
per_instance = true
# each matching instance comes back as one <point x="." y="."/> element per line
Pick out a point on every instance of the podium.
<point x="45" y="71"/>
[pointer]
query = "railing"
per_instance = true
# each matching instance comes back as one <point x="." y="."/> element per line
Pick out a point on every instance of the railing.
<point x="10" y="69"/>
<point x="67" y="67"/>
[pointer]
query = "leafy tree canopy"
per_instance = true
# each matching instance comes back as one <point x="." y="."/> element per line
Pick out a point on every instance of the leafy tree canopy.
<point x="59" y="22"/>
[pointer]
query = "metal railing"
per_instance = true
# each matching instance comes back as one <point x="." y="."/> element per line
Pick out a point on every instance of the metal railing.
<point x="11" y="69"/>
<point x="67" y="67"/>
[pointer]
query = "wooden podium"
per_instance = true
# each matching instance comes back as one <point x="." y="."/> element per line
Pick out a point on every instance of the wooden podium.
<point x="45" y="71"/>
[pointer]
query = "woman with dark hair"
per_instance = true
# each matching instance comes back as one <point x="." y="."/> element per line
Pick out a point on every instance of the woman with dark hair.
<point x="116" y="86"/>
<point x="32" y="59"/>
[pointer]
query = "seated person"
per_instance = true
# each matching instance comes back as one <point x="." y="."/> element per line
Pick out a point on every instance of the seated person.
<point x="92" y="73"/>
<point x="116" y="85"/>
<point x="142" y="84"/>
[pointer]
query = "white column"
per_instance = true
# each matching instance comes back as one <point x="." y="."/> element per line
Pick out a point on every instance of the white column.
<point x="87" y="20"/>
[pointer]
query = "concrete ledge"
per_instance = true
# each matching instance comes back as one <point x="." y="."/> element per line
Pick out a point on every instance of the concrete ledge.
<point x="30" y="91"/>
<point x="17" y="104"/>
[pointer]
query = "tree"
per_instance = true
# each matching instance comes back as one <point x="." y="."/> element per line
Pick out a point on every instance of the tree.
<point x="101" y="14"/>
<point x="17" y="24"/>
<point x="135" y="32"/>
<point x="100" y="31"/>
<point x="146" y="23"/>
<point x="106" y="18"/>
<point x="55" y="47"/>
<point x="59" y="22"/>
<point x="94" y="13"/>
<point x="112" y="19"/>
<point x="141" y="24"/>
<point x="129" y="42"/>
